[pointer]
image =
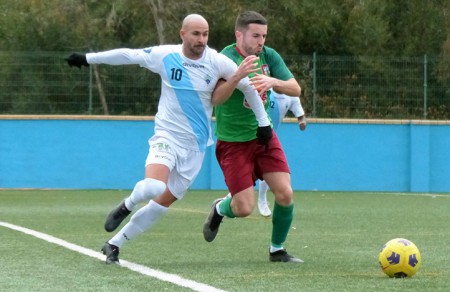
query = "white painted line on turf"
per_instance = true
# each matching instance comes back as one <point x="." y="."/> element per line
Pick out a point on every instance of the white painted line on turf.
<point x="418" y="194"/>
<point x="175" y="279"/>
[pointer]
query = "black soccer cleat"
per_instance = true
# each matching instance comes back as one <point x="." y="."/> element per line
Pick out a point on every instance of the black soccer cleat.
<point x="212" y="223"/>
<point x="112" y="253"/>
<point x="282" y="256"/>
<point x="116" y="216"/>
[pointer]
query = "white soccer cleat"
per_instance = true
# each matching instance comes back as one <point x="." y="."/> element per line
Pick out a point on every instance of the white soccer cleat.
<point x="264" y="209"/>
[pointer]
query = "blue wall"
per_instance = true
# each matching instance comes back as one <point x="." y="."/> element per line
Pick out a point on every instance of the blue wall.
<point x="329" y="155"/>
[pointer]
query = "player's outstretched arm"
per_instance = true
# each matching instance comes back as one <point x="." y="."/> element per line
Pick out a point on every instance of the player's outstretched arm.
<point x="112" y="57"/>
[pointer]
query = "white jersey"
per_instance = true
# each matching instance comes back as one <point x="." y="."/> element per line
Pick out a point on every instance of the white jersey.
<point x="280" y="104"/>
<point x="185" y="108"/>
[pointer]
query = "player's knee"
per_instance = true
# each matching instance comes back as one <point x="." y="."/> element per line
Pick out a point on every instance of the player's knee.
<point x="243" y="203"/>
<point x="150" y="188"/>
<point x="242" y="209"/>
<point x="285" y="196"/>
<point x="153" y="186"/>
<point x="242" y="212"/>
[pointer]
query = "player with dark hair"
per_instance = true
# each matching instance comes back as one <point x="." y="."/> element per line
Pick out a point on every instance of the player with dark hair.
<point x="241" y="157"/>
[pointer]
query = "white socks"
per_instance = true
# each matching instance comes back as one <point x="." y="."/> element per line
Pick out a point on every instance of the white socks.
<point x="144" y="191"/>
<point x="274" y="248"/>
<point x="263" y="187"/>
<point x="141" y="221"/>
<point x="145" y="217"/>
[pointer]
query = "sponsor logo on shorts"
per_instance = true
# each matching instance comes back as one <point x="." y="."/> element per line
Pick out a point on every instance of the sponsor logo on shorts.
<point x="162" y="157"/>
<point x="163" y="147"/>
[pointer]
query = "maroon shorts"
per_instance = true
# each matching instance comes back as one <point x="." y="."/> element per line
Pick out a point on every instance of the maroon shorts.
<point x="242" y="163"/>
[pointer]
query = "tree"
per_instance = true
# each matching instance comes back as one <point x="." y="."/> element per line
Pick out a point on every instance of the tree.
<point x="359" y="29"/>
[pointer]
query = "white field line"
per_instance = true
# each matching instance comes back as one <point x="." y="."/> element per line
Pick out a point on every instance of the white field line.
<point x="160" y="275"/>
<point x="417" y="194"/>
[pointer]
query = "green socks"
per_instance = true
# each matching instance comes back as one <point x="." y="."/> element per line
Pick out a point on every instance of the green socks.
<point x="225" y="208"/>
<point x="281" y="220"/>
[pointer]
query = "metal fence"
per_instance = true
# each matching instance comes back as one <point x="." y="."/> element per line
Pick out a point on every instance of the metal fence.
<point x="332" y="86"/>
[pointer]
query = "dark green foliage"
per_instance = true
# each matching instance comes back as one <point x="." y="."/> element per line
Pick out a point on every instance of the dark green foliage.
<point x="361" y="70"/>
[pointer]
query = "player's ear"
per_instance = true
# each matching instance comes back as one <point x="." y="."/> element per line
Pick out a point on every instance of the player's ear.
<point x="182" y="32"/>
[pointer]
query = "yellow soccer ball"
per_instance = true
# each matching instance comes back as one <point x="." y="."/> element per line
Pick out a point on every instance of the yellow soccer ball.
<point x="400" y="258"/>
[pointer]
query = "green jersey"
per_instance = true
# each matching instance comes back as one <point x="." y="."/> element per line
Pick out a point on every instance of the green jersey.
<point x="235" y="120"/>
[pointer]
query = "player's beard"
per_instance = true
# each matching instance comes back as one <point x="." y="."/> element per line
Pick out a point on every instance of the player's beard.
<point x="197" y="50"/>
<point x="253" y="51"/>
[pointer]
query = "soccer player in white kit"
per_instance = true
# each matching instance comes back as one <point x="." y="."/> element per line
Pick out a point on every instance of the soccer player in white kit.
<point x="279" y="105"/>
<point x="189" y="73"/>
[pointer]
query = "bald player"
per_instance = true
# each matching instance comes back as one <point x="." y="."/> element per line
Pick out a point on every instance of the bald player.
<point x="189" y="73"/>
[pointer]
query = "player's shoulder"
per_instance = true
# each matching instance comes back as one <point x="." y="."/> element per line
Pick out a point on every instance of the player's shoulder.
<point x="162" y="49"/>
<point x="271" y="56"/>
<point x="230" y="51"/>
<point x="229" y="48"/>
<point x="270" y="52"/>
<point x="211" y="52"/>
<point x="215" y="57"/>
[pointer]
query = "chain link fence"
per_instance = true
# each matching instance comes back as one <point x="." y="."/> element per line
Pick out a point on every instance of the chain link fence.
<point x="332" y="86"/>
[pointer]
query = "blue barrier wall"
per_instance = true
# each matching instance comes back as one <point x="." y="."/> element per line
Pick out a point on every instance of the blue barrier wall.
<point x="403" y="156"/>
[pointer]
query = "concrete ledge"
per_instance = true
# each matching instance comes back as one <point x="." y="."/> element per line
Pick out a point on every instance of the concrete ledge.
<point x="286" y="120"/>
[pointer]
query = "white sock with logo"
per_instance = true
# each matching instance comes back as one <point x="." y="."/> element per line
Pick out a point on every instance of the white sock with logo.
<point x="142" y="220"/>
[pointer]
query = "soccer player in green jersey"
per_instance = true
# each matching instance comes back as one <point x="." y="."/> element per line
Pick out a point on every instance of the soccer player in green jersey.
<point x="240" y="156"/>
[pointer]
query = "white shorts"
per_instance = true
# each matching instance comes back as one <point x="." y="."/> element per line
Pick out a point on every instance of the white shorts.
<point x="184" y="164"/>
